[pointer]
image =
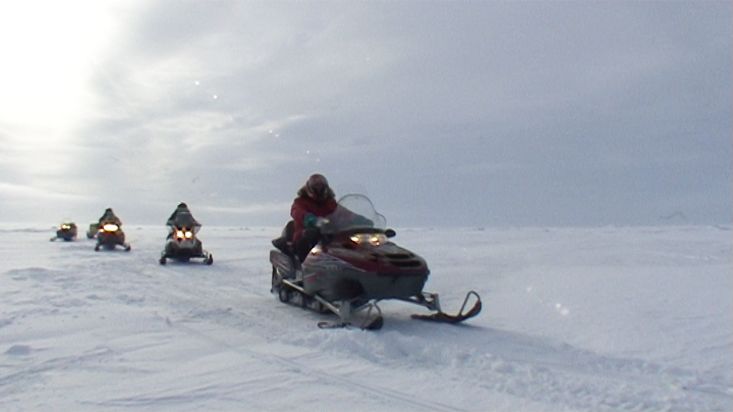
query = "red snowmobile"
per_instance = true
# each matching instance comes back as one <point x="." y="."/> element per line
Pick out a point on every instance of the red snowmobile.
<point x="353" y="267"/>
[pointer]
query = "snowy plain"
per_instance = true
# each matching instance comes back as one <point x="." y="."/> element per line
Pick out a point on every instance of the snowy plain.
<point x="586" y="319"/>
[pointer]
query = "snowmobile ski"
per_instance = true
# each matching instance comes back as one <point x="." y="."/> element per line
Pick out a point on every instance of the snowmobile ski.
<point x="441" y="316"/>
<point x="375" y="324"/>
<point x="370" y="321"/>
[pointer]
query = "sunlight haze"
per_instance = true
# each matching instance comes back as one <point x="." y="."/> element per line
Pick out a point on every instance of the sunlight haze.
<point x="444" y="113"/>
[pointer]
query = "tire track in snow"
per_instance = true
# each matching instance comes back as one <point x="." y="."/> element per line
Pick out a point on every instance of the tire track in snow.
<point x="29" y="374"/>
<point x="535" y="370"/>
<point x="289" y="364"/>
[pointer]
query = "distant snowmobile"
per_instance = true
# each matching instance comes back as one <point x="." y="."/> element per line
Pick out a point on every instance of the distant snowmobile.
<point x="353" y="267"/>
<point x="92" y="231"/>
<point x="109" y="235"/>
<point x="183" y="245"/>
<point x="67" y="231"/>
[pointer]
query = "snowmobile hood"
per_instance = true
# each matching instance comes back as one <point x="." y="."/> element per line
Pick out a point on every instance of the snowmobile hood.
<point x="384" y="258"/>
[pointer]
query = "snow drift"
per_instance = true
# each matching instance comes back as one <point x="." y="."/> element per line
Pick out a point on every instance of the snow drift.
<point x="574" y="319"/>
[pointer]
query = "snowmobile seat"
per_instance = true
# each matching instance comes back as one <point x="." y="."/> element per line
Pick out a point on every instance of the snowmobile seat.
<point x="285" y="242"/>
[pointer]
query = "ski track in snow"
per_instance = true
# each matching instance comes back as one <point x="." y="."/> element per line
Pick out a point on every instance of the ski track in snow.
<point x="86" y="330"/>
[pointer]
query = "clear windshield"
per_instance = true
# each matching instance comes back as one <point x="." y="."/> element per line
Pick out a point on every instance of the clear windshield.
<point x="354" y="212"/>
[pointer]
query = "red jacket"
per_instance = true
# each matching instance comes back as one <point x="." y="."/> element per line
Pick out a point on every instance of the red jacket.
<point x="303" y="205"/>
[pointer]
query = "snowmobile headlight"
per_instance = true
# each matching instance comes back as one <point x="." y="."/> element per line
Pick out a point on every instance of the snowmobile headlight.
<point x="179" y="234"/>
<point x="189" y="234"/>
<point x="65" y="227"/>
<point x="110" y="227"/>
<point x="375" y="239"/>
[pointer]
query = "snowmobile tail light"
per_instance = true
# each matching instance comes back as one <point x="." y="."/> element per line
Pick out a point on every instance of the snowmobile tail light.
<point x="110" y="227"/>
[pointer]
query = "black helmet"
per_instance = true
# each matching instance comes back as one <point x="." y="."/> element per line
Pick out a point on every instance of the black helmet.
<point x="317" y="186"/>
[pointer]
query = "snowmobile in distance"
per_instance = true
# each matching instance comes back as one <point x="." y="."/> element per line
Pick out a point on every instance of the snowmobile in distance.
<point x="67" y="231"/>
<point x="353" y="267"/>
<point x="92" y="231"/>
<point x="109" y="235"/>
<point x="183" y="245"/>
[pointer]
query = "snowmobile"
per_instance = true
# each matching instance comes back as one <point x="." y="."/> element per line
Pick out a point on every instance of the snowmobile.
<point x="92" y="231"/>
<point x="67" y="231"/>
<point x="353" y="267"/>
<point x="109" y="235"/>
<point x="182" y="243"/>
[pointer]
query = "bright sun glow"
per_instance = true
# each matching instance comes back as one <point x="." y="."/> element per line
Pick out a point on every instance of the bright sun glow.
<point x="48" y="54"/>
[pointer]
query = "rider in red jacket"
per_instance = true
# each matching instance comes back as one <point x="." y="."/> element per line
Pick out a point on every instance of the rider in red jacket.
<point x="315" y="199"/>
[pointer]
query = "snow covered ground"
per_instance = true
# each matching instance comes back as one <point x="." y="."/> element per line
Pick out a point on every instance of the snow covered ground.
<point x="637" y="319"/>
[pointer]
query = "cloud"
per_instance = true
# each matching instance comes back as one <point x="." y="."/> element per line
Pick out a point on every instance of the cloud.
<point x="18" y="193"/>
<point x="249" y="209"/>
<point x="502" y="113"/>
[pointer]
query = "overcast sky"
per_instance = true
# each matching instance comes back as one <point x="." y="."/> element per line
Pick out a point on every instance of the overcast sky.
<point x="470" y="113"/>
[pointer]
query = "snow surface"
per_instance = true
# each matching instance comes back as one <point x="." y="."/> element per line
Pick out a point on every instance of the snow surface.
<point x="636" y="319"/>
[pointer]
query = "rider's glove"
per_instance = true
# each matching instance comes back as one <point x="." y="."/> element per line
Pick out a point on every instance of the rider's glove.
<point x="310" y="220"/>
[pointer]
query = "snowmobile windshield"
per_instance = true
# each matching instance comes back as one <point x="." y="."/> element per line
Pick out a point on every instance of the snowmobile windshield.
<point x="354" y="212"/>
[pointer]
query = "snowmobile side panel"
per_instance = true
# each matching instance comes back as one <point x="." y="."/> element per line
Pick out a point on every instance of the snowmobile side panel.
<point x="283" y="263"/>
